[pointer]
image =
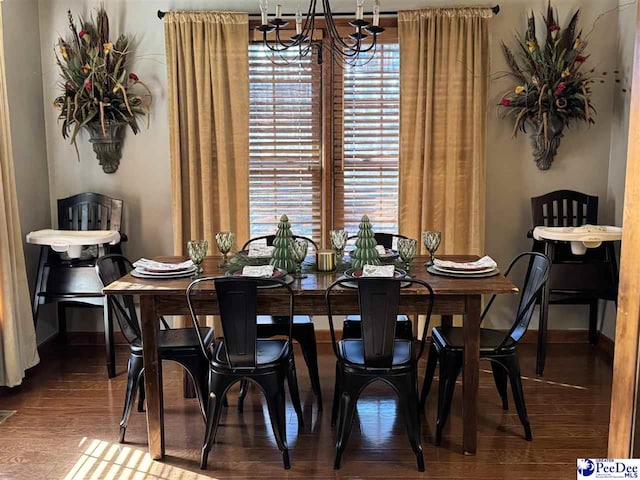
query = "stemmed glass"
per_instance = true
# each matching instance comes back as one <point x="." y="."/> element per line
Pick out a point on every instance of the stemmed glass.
<point x="407" y="248"/>
<point x="432" y="242"/>
<point x="225" y="240"/>
<point x="197" y="250"/>
<point x="298" y="249"/>
<point x="338" y="242"/>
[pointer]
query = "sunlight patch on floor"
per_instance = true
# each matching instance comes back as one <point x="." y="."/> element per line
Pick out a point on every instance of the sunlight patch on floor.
<point x="108" y="461"/>
<point x="546" y="382"/>
<point x="4" y="414"/>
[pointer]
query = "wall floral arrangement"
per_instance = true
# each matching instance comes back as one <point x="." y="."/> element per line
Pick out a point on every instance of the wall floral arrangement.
<point x="553" y="85"/>
<point x="99" y="93"/>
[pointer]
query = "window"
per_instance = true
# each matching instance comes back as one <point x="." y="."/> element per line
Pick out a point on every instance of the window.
<point x="285" y="143"/>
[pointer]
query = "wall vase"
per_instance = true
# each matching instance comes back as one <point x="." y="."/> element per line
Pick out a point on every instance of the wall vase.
<point x="545" y="140"/>
<point x="108" y="148"/>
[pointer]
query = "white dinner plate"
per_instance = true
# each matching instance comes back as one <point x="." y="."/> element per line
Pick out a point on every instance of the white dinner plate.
<point x="434" y="271"/>
<point x="143" y="274"/>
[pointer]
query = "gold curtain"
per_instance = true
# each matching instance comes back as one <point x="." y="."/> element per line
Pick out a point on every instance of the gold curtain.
<point x="208" y="76"/>
<point x="18" y="349"/>
<point x="444" y="73"/>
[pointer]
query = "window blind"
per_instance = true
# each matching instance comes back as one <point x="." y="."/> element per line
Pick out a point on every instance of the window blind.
<point x="366" y="130"/>
<point x="285" y="142"/>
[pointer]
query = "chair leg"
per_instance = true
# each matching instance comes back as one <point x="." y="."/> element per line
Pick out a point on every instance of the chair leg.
<point x="141" y="394"/>
<point x="429" y="373"/>
<point x="407" y="390"/>
<point x="244" y="387"/>
<point x="195" y="370"/>
<point x="108" y="339"/>
<point x="44" y="250"/>
<point x="306" y="337"/>
<point x="134" y="375"/>
<point x="593" y="322"/>
<point x="449" y="371"/>
<point x="336" y="395"/>
<point x="62" y="322"/>
<point x="273" y="387"/>
<point x="500" y="378"/>
<point x="292" y="381"/>
<point x="350" y="390"/>
<point x="513" y="368"/>
<point x="218" y="386"/>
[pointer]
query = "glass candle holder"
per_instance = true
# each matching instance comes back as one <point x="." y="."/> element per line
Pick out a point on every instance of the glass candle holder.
<point x="407" y="248"/>
<point x="431" y="242"/>
<point x="298" y="249"/>
<point x="225" y="240"/>
<point x="197" y="250"/>
<point x="338" y="242"/>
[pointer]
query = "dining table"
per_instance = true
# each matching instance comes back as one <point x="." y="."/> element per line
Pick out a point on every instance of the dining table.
<point x="453" y="296"/>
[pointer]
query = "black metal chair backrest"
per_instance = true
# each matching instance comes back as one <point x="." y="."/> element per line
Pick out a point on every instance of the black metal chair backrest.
<point x="384" y="239"/>
<point x="379" y="299"/>
<point x="270" y="238"/>
<point x="564" y="208"/>
<point x="237" y="301"/>
<point x="536" y="276"/>
<point x="89" y="211"/>
<point x="111" y="268"/>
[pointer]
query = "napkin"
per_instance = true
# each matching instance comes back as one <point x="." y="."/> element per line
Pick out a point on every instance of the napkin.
<point x="485" y="262"/>
<point x="147" y="264"/>
<point x="381" y="250"/>
<point x="261" y="251"/>
<point x="261" y="271"/>
<point x="378" y="270"/>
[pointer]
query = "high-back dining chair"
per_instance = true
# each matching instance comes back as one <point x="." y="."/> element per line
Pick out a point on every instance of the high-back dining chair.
<point x="180" y="345"/>
<point x="243" y="355"/>
<point x="387" y="240"/>
<point x="74" y="282"/>
<point x="378" y="356"/>
<point x="574" y="279"/>
<point x="447" y="346"/>
<point x="303" y="332"/>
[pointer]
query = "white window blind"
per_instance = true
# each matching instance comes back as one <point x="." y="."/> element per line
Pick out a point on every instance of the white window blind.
<point x="285" y="139"/>
<point x="366" y="141"/>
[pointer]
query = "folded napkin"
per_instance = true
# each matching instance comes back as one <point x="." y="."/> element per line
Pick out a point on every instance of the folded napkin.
<point x="261" y="271"/>
<point x="151" y="265"/>
<point x="378" y="270"/>
<point x="261" y="251"/>
<point x="381" y="250"/>
<point x="485" y="262"/>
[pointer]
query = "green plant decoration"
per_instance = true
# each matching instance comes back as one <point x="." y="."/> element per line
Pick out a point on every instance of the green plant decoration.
<point x="553" y="91"/>
<point x="365" y="252"/>
<point x="281" y="255"/>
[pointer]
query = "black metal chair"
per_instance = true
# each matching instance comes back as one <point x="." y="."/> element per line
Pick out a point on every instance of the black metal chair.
<point x="574" y="279"/>
<point x="303" y="332"/>
<point x="179" y="345"/>
<point x="351" y="327"/>
<point x="378" y="355"/>
<point x="447" y="347"/>
<point x="242" y="355"/>
<point x="73" y="282"/>
<point x="270" y="238"/>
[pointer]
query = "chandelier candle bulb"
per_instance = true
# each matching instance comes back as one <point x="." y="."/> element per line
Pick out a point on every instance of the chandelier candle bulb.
<point x="298" y="22"/>
<point x="376" y="13"/>
<point x="360" y="10"/>
<point x="264" y="11"/>
<point x="278" y="11"/>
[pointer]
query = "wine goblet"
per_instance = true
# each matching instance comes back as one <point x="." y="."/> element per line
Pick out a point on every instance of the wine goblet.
<point x="298" y="249"/>
<point x="225" y="240"/>
<point x="432" y="241"/>
<point x="407" y="248"/>
<point x="338" y="242"/>
<point x="197" y="250"/>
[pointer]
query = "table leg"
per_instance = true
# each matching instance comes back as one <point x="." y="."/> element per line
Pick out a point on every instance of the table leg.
<point x="470" y="374"/>
<point x="549" y="251"/>
<point x="152" y="376"/>
<point x="446" y="320"/>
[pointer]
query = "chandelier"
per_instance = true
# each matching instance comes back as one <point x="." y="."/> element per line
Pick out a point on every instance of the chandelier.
<point x="351" y="48"/>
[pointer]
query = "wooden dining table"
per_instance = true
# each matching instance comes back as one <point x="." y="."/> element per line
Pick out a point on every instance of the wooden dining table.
<point x="453" y="296"/>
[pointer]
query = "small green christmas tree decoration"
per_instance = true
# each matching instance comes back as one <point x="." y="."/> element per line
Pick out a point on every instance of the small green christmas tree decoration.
<point x="281" y="255"/>
<point x="365" y="252"/>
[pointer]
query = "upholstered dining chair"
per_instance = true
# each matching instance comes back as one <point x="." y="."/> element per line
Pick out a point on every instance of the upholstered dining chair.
<point x="351" y="327"/>
<point x="180" y="345"/>
<point x="242" y="355"/>
<point x="303" y="332"/>
<point x="377" y="356"/>
<point x="500" y="348"/>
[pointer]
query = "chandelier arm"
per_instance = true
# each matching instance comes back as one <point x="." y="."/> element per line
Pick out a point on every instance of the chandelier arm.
<point x="333" y="29"/>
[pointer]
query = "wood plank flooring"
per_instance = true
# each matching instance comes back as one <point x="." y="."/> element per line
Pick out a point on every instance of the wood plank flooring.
<point x="67" y="417"/>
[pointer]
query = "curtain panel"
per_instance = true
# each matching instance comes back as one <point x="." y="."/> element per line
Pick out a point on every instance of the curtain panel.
<point x="18" y="348"/>
<point x="444" y="74"/>
<point x="208" y="77"/>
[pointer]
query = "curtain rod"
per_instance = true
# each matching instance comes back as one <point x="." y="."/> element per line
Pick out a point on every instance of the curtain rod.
<point x="495" y="11"/>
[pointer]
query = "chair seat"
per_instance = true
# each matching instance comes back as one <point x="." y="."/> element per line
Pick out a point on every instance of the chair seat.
<point x="282" y="320"/>
<point x="352" y="351"/>
<point x="268" y="353"/>
<point x="178" y="338"/>
<point x="452" y="338"/>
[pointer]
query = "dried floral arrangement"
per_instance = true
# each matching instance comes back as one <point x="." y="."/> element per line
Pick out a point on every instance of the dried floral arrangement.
<point x="553" y="90"/>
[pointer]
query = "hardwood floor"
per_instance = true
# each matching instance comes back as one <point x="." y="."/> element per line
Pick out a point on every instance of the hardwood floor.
<point x="66" y="426"/>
